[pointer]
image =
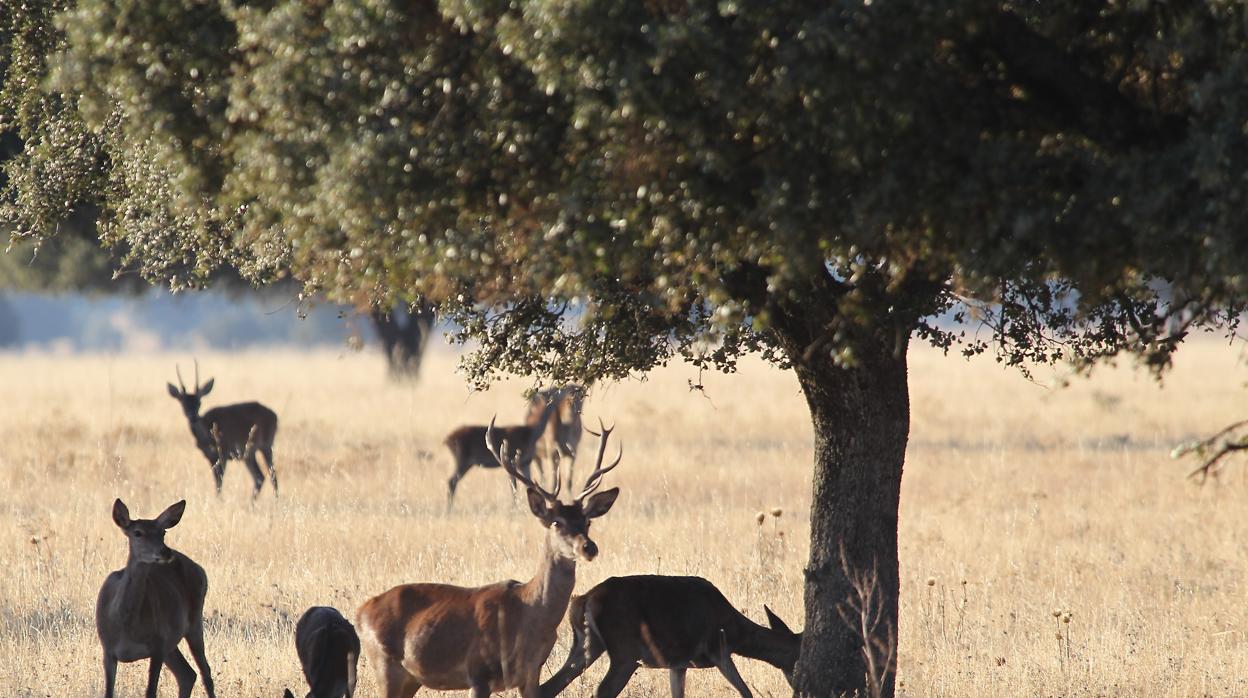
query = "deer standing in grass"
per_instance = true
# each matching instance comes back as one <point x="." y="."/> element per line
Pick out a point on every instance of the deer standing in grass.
<point x="676" y="623"/>
<point x="495" y="637"/>
<point x="328" y="650"/>
<point x="468" y="448"/>
<point x="562" y="434"/>
<point x="236" y="431"/>
<point x="145" y="609"/>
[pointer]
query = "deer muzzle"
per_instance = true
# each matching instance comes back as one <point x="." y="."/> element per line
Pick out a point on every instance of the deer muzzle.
<point x="588" y="549"/>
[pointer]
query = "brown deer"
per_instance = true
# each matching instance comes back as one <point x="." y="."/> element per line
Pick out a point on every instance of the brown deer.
<point x="495" y="637"/>
<point x="676" y="623"/>
<point x="468" y="449"/>
<point x="236" y="431"/>
<point x="328" y="650"/>
<point x="563" y="430"/>
<point x="145" y="609"/>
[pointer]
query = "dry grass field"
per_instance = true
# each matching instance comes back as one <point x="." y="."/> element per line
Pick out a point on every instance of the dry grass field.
<point x="1019" y="500"/>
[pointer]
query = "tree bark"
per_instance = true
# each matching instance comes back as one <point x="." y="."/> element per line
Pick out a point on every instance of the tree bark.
<point x="861" y="419"/>
<point x="404" y="332"/>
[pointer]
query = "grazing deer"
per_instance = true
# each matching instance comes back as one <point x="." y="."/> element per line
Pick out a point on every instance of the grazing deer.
<point x="144" y="610"/>
<point x="468" y="448"/>
<point x="495" y="637"/>
<point x="563" y="430"/>
<point x="676" y="623"/>
<point x="328" y="651"/>
<point x="229" y="432"/>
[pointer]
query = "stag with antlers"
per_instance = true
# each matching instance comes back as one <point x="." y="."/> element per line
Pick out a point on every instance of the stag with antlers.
<point x="238" y="431"/>
<point x="495" y="637"/>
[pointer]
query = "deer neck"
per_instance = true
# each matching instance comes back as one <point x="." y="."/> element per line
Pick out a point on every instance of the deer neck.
<point x="134" y="583"/>
<point x="551" y="588"/>
<point x="764" y="644"/>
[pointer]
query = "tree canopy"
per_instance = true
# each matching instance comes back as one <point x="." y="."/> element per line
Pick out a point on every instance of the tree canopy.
<point x="592" y="188"/>
<point x="670" y="168"/>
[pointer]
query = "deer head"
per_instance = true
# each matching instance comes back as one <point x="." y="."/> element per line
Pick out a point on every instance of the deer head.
<point x="147" y="537"/>
<point x="190" y="399"/>
<point x="567" y="523"/>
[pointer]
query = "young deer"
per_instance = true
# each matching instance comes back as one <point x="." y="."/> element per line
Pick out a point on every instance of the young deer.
<point x="468" y="448"/>
<point x="495" y="637"/>
<point x="676" y="623"/>
<point x="144" y="610"/>
<point x="328" y="651"/>
<point x="563" y="430"/>
<point x="229" y="432"/>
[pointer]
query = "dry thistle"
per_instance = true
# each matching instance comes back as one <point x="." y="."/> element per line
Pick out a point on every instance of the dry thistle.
<point x="776" y="512"/>
<point x="760" y="517"/>
<point x="931" y="581"/>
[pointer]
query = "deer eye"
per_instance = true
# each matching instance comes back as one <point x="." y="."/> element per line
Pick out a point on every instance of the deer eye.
<point x="557" y="523"/>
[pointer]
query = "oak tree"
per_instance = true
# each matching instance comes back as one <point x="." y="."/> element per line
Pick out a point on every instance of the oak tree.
<point x="591" y="189"/>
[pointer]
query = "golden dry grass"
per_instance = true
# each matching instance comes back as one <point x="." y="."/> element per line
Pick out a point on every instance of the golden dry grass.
<point x="1018" y="500"/>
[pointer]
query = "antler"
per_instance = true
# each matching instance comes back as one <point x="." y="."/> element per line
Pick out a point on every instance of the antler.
<point x="595" y="478"/>
<point x="197" y="375"/>
<point x="177" y="369"/>
<point x="498" y="451"/>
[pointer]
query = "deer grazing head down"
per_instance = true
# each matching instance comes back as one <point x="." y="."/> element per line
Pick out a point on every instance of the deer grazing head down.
<point x="568" y="524"/>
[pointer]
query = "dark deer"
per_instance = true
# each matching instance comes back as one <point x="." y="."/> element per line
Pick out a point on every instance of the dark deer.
<point x="328" y="651"/>
<point x="228" y="432"/>
<point x="563" y="429"/>
<point x="673" y="623"/>
<point x="144" y="610"/>
<point x="468" y="448"/>
<point x="495" y="637"/>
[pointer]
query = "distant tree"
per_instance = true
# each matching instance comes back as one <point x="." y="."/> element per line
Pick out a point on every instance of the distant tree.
<point x="591" y="189"/>
<point x="404" y="332"/>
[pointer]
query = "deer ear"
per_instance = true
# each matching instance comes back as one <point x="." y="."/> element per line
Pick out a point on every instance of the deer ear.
<point x="173" y="392"/>
<point x="537" y="504"/>
<point x="774" y="621"/>
<point x="121" y="515"/>
<point x="207" y="387"/>
<point x="288" y="694"/>
<point x="171" y="516"/>
<point x="601" y="503"/>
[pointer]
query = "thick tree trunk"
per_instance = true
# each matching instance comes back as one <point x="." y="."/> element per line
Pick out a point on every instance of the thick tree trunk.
<point x="404" y="333"/>
<point x="861" y="418"/>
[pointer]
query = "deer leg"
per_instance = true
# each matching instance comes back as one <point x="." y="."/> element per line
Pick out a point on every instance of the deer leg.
<point x="267" y="452"/>
<point x="182" y="672"/>
<point x="110" y="675"/>
<point x="218" y="473"/>
<point x="153" y="674"/>
<point x="254" y="468"/>
<point x="352" y="660"/>
<point x="729" y="670"/>
<point x="480" y="690"/>
<point x="452" y="483"/>
<point x="616" y="679"/>
<point x="580" y="656"/>
<point x="395" y="681"/>
<point x="676" y="679"/>
<point x="195" y="642"/>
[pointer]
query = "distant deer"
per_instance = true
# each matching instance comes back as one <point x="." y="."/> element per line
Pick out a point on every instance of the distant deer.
<point x="236" y="431"/>
<point x="145" y="609"/>
<point x="495" y="637"/>
<point x="468" y="448"/>
<point x="676" y="623"/>
<point x="563" y="430"/>
<point x="328" y="651"/>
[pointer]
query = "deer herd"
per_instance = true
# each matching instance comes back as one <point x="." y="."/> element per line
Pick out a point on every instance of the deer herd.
<point x="482" y="639"/>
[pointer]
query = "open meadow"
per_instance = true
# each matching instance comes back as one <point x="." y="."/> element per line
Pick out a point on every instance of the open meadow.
<point x="1019" y="500"/>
